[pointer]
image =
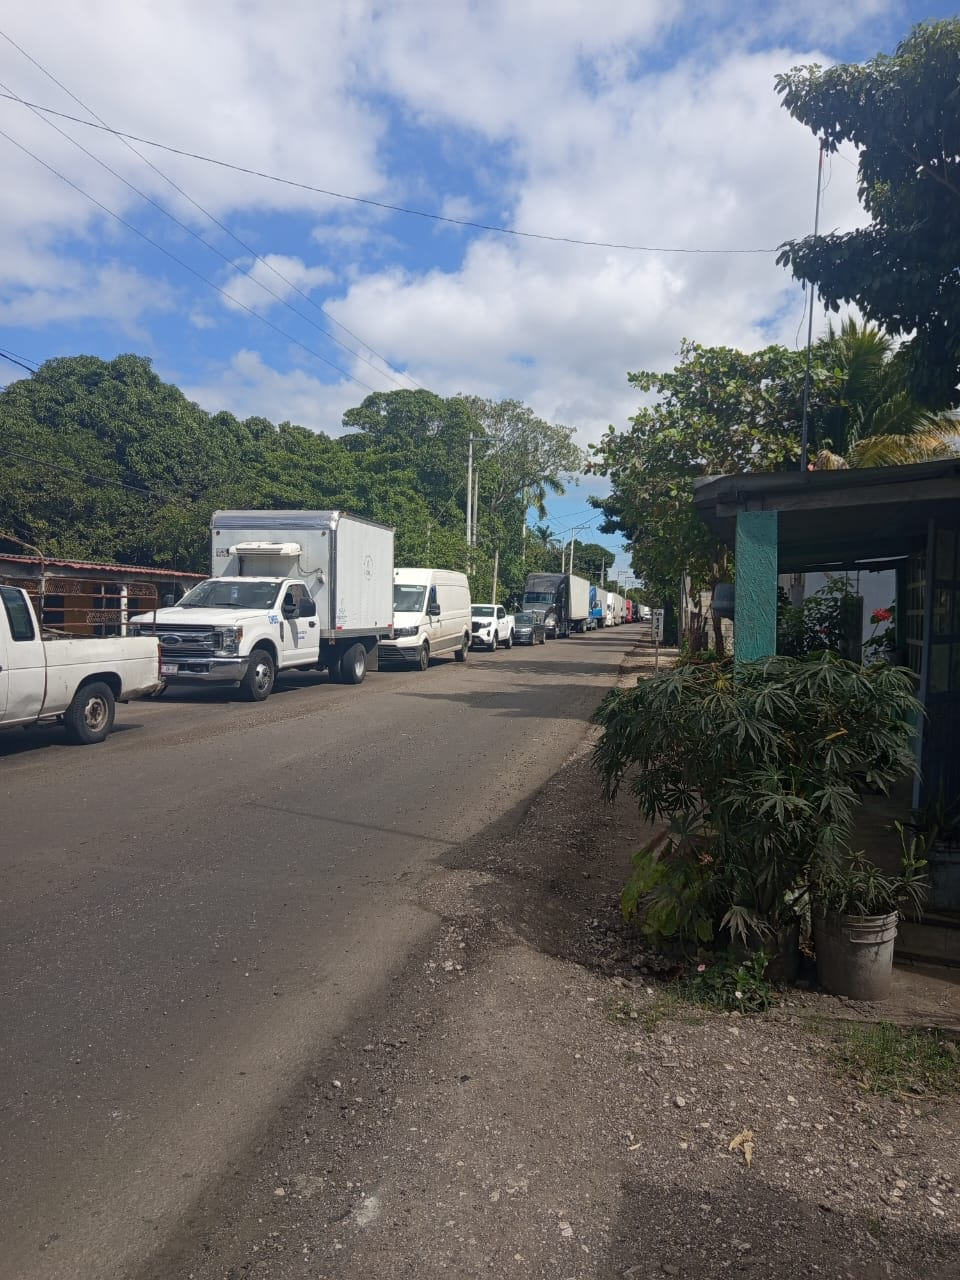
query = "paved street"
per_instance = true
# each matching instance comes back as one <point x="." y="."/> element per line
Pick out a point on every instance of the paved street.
<point x="193" y="911"/>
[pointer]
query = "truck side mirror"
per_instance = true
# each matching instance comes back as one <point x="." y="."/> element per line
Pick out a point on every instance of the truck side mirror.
<point x="433" y="609"/>
<point x="308" y="608"/>
<point x="168" y="601"/>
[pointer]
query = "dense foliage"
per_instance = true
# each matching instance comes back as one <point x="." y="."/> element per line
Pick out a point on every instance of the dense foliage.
<point x="902" y="113"/>
<point x="757" y="778"/>
<point x="104" y="461"/>
<point x="719" y="411"/>
<point x="724" y="412"/>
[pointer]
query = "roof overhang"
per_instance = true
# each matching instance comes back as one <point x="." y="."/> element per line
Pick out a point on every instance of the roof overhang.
<point x="837" y="519"/>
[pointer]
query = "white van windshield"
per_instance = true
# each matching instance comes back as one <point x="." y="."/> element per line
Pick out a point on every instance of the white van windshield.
<point x="408" y="599"/>
<point x="228" y="593"/>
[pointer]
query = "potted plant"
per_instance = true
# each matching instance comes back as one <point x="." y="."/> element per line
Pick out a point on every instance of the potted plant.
<point x="750" y="776"/>
<point x="856" y="907"/>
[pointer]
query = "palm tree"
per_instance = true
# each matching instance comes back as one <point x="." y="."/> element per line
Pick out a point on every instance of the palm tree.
<point x="875" y="422"/>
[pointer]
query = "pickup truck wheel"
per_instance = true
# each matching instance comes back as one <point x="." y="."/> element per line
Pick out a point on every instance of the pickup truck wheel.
<point x="257" y="684"/>
<point x="353" y="665"/>
<point x="493" y="643"/>
<point x="423" y="656"/>
<point x="461" y="654"/>
<point x="89" y="717"/>
<point x="508" y="643"/>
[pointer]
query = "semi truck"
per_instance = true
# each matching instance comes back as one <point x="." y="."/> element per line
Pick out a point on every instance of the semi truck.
<point x="598" y="608"/>
<point x="289" y="591"/>
<point x="561" y="600"/>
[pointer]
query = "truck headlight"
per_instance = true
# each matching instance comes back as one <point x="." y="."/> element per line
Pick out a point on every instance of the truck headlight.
<point x="400" y="633"/>
<point x="230" y="639"/>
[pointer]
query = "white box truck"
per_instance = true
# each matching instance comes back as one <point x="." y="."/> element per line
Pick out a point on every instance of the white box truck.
<point x="291" y="590"/>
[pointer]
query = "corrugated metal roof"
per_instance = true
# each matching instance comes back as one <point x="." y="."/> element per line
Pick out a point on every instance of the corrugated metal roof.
<point x="134" y="570"/>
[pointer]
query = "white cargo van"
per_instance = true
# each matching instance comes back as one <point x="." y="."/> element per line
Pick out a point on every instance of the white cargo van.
<point x="431" y="617"/>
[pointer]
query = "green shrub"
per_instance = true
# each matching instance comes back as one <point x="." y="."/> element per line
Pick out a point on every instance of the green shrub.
<point x="755" y="774"/>
<point x="728" y="983"/>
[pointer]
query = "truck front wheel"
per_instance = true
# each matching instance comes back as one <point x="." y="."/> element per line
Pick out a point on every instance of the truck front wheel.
<point x="89" y="717"/>
<point x="508" y="643"/>
<point x="461" y="654"/>
<point x="353" y="665"/>
<point x="257" y="684"/>
<point x="493" y="643"/>
<point x="423" y="656"/>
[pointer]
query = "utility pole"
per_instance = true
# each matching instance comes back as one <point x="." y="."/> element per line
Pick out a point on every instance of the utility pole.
<point x="804" y="425"/>
<point x="476" y="503"/>
<point x="573" y="539"/>
<point x="469" y="491"/>
<point x="496" y="571"/>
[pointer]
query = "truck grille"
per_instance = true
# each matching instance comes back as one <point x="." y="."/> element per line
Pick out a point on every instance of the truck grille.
<point x="186" y="642"/>
<point x="477" y="626"/>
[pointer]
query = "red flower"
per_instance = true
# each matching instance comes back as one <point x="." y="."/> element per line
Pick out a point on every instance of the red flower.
<point x="881" y="615"/>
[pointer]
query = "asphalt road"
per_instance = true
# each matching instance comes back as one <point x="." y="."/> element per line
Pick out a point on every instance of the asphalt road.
<point x="195" y="909"/>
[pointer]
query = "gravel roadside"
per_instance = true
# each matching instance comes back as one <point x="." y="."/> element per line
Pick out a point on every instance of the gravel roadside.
<point x="527" y="1101"/>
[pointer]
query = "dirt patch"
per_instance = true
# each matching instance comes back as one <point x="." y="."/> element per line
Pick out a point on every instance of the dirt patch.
<point x="530" y="1100"/>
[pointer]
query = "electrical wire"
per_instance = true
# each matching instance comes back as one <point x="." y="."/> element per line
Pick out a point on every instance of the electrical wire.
<point x="216" y="221"/>
<point x="79" y="474"/>
<point x="381" y="204"/>
<point x="12" y="358"/>
<point x="186" y="266"/>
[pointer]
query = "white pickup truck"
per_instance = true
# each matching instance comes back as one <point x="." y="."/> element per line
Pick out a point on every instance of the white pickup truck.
<point x="78" y="682"/>
<point x="491" y="625"/>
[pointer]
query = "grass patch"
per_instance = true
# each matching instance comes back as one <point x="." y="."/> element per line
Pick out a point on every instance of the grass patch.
<point x="883" y="1058"/>
<point x="667" y="1004"/>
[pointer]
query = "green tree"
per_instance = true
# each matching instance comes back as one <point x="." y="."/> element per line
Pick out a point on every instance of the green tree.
<point x="902" y="112"/>
<point x="872" y="420"/>
<point x="720" y="411"/>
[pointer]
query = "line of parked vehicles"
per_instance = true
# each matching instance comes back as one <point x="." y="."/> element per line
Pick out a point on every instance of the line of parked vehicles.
<point x="289" y="591"/>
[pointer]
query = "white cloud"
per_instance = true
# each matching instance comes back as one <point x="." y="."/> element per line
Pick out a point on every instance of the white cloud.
<point x="112" y="294"/>
<point x="651" y="124"/>
<point x="249" y="387"/>
<point x="271" y="279"/>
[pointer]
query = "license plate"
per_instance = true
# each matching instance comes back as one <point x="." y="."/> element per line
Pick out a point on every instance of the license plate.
<point x="168" y="668"/>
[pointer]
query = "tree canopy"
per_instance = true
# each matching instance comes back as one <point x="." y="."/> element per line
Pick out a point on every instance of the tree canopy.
<point x="902" y="112"/>
<point x="719" y="411"/>
<point x="104" y="461"/>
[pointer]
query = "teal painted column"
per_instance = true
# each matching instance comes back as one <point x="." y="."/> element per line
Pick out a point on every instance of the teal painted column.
<point x="755" y="607"/>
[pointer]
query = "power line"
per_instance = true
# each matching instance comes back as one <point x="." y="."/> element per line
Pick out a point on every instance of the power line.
<point x="192" y="232"/>
<point x="12" y="358"/>
<point x="381" y="204"/>
<point x="186" y="266"/>
<point x="93" y="475"/>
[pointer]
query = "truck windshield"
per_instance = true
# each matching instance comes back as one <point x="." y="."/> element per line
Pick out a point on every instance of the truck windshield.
<point x="408" y="599"/>
<point x="538" y="597"/>
<point x="229" y="593"/>
<point x="483" y="610"/>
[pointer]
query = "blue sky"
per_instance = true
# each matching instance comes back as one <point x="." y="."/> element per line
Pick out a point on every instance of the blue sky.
<point x="652" y="123"/>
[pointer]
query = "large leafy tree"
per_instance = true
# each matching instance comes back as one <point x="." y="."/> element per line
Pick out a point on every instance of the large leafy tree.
<point x="902" y="112"/>
<point x="720" y="411"/>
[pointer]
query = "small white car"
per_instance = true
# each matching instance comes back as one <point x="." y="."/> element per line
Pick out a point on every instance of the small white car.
<point x="492" y="626"/>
